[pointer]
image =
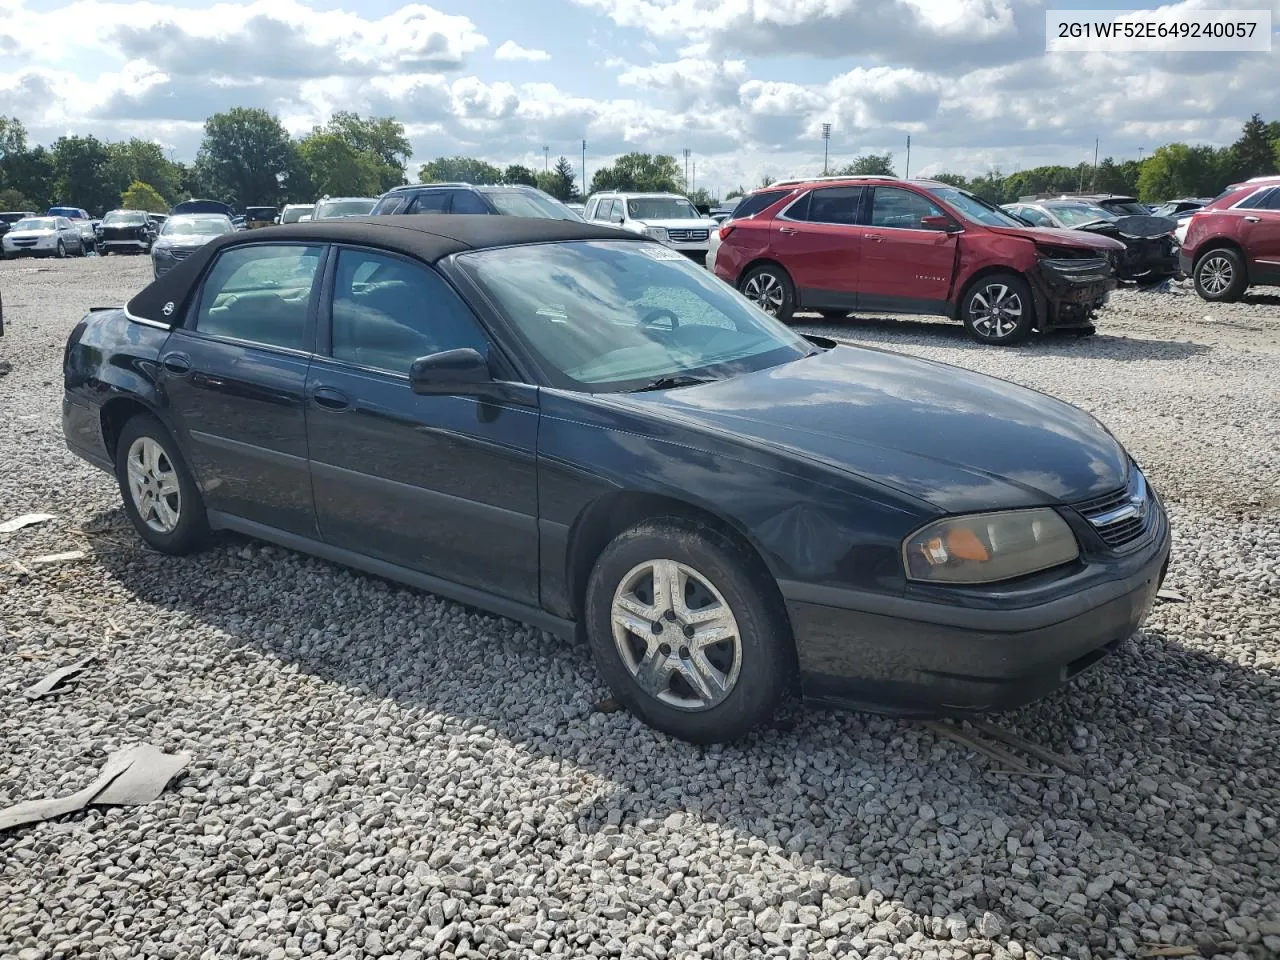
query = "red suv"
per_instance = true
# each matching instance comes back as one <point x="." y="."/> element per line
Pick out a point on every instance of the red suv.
<point x="836" y="245"/>
<point x="1233" y="242"/>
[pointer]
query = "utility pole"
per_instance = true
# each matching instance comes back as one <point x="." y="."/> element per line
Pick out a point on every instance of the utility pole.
<point x="1140" y="156"/>
<point x="826" y="142"/>
<point x="1093" y="184"/>
<point x="584" y="168"/>
<point x="906" y="172"/>
<point x="546" y="157"/>
<point x="693" y="184"/>
<point x="686" y="167"/>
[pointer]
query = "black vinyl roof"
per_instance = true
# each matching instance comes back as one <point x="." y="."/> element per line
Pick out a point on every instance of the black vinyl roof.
<point x="426" y="237"/>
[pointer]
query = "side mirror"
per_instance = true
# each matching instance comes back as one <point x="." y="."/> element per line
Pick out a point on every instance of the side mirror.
<point x="939" y="223"/>
<point x="615" y="218"/>
<point x="463" y="371"/>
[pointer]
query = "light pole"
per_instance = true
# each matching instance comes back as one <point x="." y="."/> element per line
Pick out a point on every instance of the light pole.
<point x="546" y="158"/>
<point x="1140" y="156"/>
<point x="906" y="171"/>
<point x="826" y="141"/>
<point x="686" y="167"/>
<point x="584" y="168"/>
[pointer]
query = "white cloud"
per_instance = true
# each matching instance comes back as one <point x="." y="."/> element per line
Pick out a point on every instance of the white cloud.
<point x="510" y="50"/>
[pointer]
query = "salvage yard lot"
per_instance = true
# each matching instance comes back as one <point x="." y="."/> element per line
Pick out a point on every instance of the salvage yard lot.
<point x="379" y="773"/>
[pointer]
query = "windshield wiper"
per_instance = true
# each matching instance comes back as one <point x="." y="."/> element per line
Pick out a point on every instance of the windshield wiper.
<point x="679" y="380"/>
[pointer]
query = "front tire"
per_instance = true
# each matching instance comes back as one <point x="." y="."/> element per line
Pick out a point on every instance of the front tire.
<point x="1220" y="276"/>
<point x="770" y="288"/>
<point x="61" y="252"/>
<point x="688" y="631"/>
<point x="160" y="496"/>
<point x="999" y="310"/>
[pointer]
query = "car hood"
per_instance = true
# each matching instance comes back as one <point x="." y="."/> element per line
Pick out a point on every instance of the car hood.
<point x="1133" y="227"/>
<point x="1061" y="238"/>
<point x="188" y="240"/>
<point x="955" y="439"/>
<point x="680" y="224"/>
<point x="30" y="234"/>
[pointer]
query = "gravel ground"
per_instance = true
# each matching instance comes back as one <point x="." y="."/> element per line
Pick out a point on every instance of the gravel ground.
<point x="379" y="773"/>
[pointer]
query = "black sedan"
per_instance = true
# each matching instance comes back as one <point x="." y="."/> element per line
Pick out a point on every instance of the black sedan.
<point x="580" y="429"/>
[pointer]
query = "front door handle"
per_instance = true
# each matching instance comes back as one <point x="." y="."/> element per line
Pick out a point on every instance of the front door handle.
<point x="1252" y="219"/>
<point x="177" y="364"/>
<point x="330" y="398"/>
<point x="787" y="230"/>
<point x="878" y="238"/>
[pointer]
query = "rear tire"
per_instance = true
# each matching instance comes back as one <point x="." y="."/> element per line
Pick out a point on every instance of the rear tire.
<point x="160" y="496"/>
<point x="659" y="596"/>
<point x="998" y="310"/>
<point x="1221" y="276"/>
<point x="770" y="288"/>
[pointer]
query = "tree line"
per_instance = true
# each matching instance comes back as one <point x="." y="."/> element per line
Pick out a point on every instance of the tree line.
<point x="248" y="158"/>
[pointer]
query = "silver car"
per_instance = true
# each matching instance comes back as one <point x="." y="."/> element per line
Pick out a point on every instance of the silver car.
<point x="184" y="233"/>
<point x="43" y="237"/>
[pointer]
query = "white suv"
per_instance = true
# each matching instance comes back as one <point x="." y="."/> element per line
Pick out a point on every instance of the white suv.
<point x="667" y="217"/>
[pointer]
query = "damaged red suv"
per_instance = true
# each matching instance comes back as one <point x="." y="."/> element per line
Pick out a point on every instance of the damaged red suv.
<point x="881" y="244"/>
<point x="1233" y="242"/>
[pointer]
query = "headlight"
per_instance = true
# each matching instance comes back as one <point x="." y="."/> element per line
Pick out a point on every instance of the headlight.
<point x="657" y="233"/>
<point x="987" y="547"/>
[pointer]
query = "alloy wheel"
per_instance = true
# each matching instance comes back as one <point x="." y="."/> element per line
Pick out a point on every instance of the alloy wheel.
<point x="153" y="485"/>
<point x="766" y="291"/>
<point x="676" y="635"/>
<point x="996" y="311"/>
<point x="1216" y="274"/>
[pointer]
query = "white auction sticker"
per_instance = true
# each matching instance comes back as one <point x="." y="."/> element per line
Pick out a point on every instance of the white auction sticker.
<point x="1156" y="31"/>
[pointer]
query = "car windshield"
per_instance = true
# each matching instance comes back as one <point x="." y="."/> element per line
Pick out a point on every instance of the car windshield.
<point x="261" y="213"/>
<point x="36" y="223"/>
<point x="518" y="203"/>
<point x="661" y="208"/>
<point x="124" y="218"/>
<point x="974" y="208"/>
<point x="71" y="212"/>
<point x="343" y="208"/>
<point x="196" y="227"/>
<point x="1078" y="214"/>
<point x="1127" y="208"/>
<point x="292" y="214"/>
<point x="608" y="316"/>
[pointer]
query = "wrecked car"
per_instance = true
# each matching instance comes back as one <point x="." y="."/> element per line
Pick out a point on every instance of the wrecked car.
<point x="1150" y="248"/>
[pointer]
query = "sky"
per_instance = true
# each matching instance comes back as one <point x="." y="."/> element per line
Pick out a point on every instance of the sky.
<point x="744" y="85"/>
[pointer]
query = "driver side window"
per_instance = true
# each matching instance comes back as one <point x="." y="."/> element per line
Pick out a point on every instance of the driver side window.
<point x="388" y="312"/>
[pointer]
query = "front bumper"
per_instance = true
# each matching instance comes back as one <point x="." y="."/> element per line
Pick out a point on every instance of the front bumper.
<point x="39" y="248"/>
<point x="140" y="245"/>
<point x="1185" y="262"/>
<point x="907" y="656"/>
<point x="1069" y="292"/>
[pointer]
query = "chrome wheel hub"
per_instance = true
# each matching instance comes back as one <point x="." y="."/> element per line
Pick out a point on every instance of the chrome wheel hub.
<point x="996" y="311"/>
<point x="153" y="485"/>
<point x="766" y="292"/>
<point x="676" y="635"/>
<point x="1216" y="274"/>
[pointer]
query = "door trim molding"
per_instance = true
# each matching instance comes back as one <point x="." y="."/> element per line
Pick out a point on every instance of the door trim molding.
<point x="481" y="599"/>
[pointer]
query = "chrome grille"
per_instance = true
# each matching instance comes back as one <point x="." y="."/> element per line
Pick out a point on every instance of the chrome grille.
<point x="688" y="236"/>
<point x="1121" y="517"/>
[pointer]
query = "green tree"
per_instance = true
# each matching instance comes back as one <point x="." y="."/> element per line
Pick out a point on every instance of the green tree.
<point x="1178" y="170"/>
<point x="952" y="179"/>
<point x="767" y="181"/>
<point x="560" y="181"/>
<point x="336" y="168"/>
<point x="11" y="199"/>
<point x="639" y="171"/>
<point x="82" y="175"/>
<point x="381" y="139"/>
<point x="459" y="170"/>
<point x="871" y="164"/>
<point x="143" y="196"/>
<point x="518" y="173"/>
<point x="735" y="193"/>
<point x="137" y="160"/>
<point x="31" y="173"/>
<point x="246" y="157"/>
<point x="702" y="198"/>
<point x="1253" y="154"/>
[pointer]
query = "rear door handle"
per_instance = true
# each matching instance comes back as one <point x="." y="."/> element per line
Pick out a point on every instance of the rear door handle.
<point x="787" y="230"/>
<point x="177" y="364"/>
<point x="330" y="398"/>
<point x="878" y="238"/>
<point x="1252" y="219"/>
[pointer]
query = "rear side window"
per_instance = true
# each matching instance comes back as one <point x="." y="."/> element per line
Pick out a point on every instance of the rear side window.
<point x="750" y="206"/>
<point x="837" y="205"/>
<point x="464" y="201"/>
<point x="590" y="212"/>
<point x="1262" y="200"/>
<point x="433" y="201"/>
<point x="388" y="312"/>
<point x="260" y="294"/>
<point x="1272" y="201"/>
<point x="903" y="209"/>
